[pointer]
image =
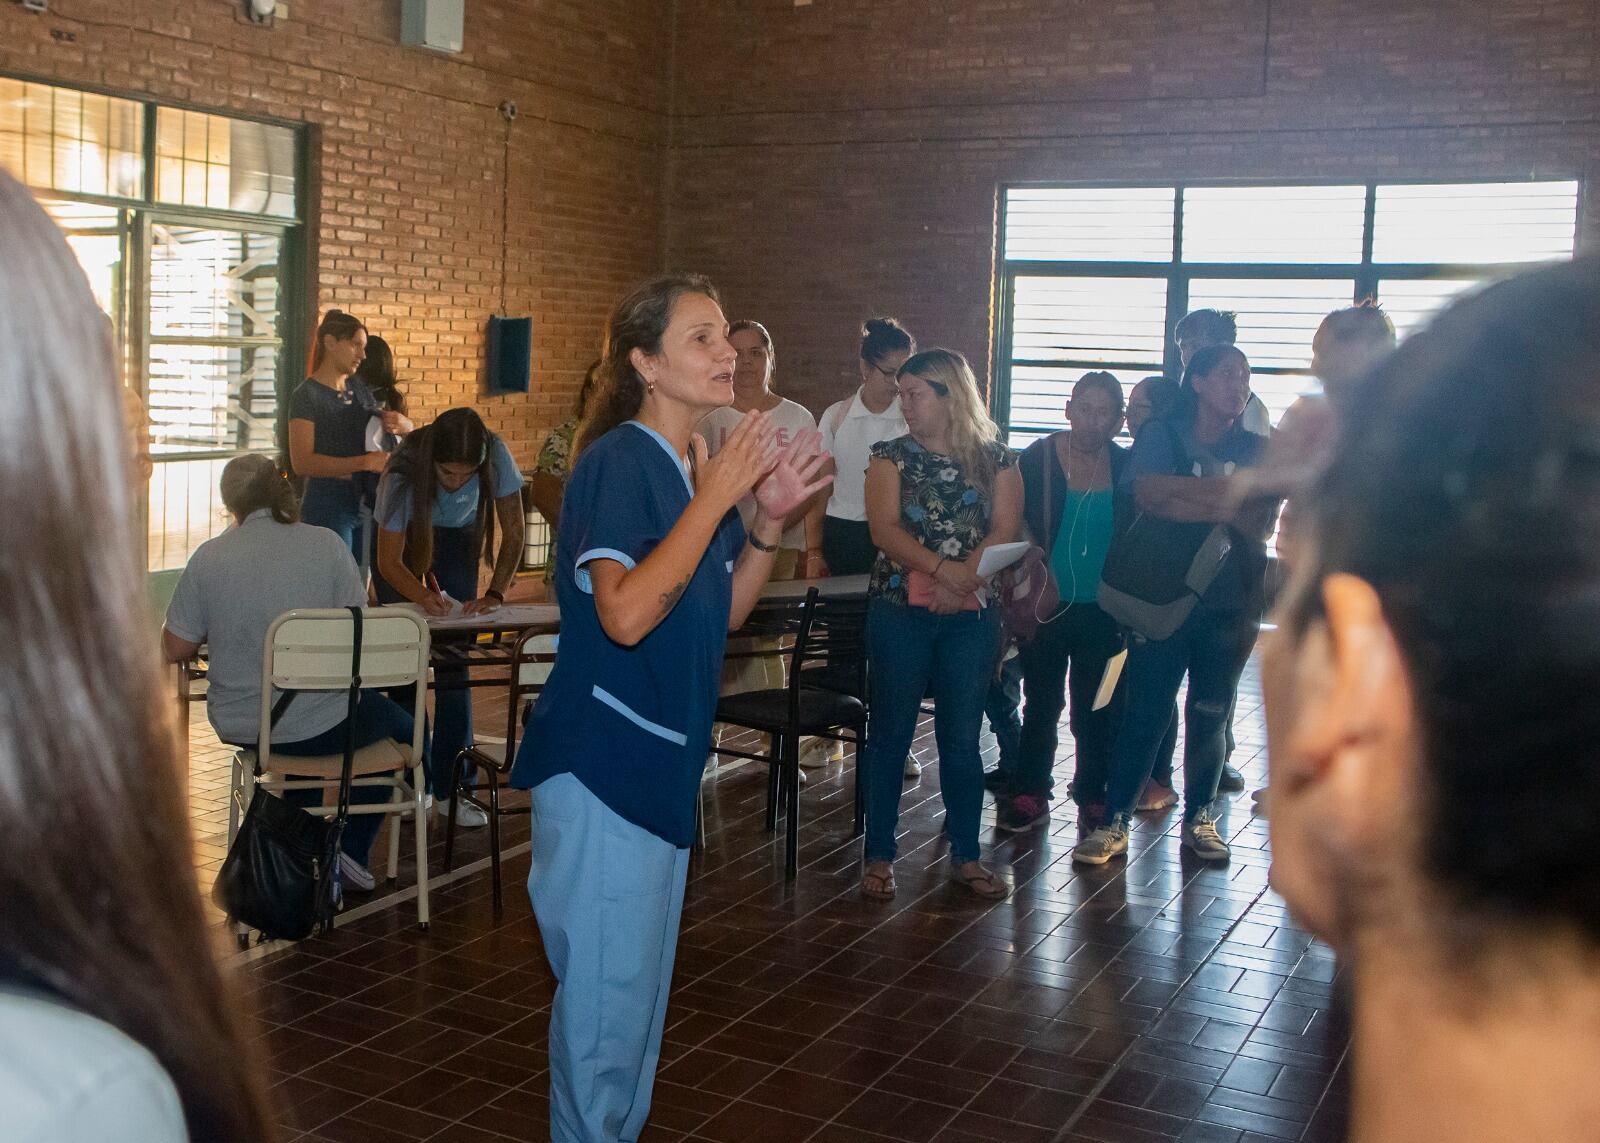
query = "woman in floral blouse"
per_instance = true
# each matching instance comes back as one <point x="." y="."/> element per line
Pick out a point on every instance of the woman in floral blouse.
<point x="936" y="498"/>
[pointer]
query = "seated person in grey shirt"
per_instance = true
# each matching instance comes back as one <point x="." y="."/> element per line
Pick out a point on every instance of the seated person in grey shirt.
<point x="232" y="589"/>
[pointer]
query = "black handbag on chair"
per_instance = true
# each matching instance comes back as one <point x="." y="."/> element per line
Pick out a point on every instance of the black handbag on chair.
<point x="281" y="875"/>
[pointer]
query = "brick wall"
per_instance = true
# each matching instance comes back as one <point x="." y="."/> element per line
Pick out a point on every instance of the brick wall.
<point x="840" y="158"/>
<point x="823" y="161"/>
<point x="407" y="146"/>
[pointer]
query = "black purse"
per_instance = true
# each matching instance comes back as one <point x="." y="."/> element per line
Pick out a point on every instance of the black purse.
<point x="281" y="875"/>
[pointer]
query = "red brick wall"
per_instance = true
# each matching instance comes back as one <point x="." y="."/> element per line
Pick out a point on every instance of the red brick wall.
<point x="823" y="161"/>
<point x="839" y="158"/>
<point x="405" y="228"/>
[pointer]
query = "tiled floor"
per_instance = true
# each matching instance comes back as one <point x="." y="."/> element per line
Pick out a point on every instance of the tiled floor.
<point x="1155" y="999"/>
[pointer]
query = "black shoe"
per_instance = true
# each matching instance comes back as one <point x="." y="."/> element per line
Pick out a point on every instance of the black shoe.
<point x="1232" y="781"/>
<point x="996" y="781"/>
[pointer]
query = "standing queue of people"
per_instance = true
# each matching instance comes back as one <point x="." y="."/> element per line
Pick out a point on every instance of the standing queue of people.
<point x="1396" y="705"/>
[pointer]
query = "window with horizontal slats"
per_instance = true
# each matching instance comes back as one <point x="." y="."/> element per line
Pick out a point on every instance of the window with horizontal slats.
<point x="1097" y="277"/>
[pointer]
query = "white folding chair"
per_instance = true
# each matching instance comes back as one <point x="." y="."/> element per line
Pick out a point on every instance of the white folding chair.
<point x="309" y="650"/>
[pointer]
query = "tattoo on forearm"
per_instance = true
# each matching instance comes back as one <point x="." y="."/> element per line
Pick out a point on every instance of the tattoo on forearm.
<point x="669" y="599"/>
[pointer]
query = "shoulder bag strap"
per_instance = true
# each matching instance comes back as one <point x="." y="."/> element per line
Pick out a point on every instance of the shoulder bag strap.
<point x="284" y="699"/>
<point x="345" y="773"/>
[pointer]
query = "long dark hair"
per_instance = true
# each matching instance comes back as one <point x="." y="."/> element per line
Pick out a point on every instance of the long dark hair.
<point x="98" y="901"/>
<point x="1187" y="406"/>
<point x="335" y="324"/>
<point x="459" y="436"/>
<point x="377" y="370"/>
<point x="254" y="481"/>
<point x="638" y="322"/>
<point x="1465" y="489"/>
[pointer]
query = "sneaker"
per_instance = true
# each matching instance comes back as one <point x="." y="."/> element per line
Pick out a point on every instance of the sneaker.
<point x="1102" y="845"/>
<point x="468" y="816"/>
<point x="1156" y="796"/>
<point x="1200" y="838"/>
<point x="1231" y="782"/>
<point x="913" y="767"/>
<point x="355" y="877"/>
<point x="820" y="752"/>
<point x="1022" y="813"/>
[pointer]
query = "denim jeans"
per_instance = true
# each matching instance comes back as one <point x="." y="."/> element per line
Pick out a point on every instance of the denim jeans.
<point x="911" y="649"/>
<point x="377" y="717"/>
<point x="1212" y="647"/>
<point x="336" y="505"/>
<point x="1162" y="771"/>
<point x="455" y="563"/>
<point x="1074" y="645"/>
<point x="1003" y="710"/>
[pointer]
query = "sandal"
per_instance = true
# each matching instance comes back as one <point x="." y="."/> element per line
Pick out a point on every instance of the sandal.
<point x="982" y="884"/>
<point x="878" y="886"/>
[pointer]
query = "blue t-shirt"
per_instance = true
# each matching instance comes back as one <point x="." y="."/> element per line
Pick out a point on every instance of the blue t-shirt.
<point x="1166" y="448"/>
<point x="455" y="509"/>
<point x="339" y="422"/>
<point x="633" y="724"/>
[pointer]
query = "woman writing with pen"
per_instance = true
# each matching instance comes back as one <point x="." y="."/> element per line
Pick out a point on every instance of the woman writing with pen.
<point x="450" y="491"/>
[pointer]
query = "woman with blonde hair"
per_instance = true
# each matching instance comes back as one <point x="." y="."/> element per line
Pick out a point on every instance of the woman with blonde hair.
<point x="937" y="497"/>
<point x="115" y="1022"/>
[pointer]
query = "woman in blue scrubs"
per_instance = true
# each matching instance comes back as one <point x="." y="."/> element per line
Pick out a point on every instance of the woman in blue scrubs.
<point x="653" y="567"/>
<point x="451" y="490"/>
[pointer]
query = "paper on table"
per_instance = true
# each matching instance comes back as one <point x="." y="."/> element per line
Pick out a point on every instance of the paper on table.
<point x="1000" y="557"/>
<point x="453" y="613"/>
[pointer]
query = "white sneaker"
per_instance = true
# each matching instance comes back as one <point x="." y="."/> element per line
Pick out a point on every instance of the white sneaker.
<point x="1102" y="845"/>
<point x="820" y="752"/>
<point x="354" y="876"/>
<point x="468" y="816"/>
<point x="1200" y="838"/>
<point x="913" y="767"/>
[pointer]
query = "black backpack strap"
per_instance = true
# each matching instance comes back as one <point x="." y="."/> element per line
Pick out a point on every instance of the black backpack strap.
<point x="346" y="772"/>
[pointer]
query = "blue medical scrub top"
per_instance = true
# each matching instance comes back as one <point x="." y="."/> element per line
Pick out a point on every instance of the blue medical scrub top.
<point x="633" y="724"/>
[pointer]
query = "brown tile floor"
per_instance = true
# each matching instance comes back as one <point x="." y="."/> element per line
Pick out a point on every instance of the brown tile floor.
<point x="1155" y="999"/>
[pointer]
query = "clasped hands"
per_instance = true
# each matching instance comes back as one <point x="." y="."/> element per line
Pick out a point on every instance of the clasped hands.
<point x="783" y="478"/>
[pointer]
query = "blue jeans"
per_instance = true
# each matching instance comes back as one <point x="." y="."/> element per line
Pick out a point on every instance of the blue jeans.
<point x="336" y="505"/>
<point x="377" y="717"/>
<point x="1212" y="647"/>
<point x="1003" y="710"/>
<point x="911" y="648"/>
<point x="608" y="897"/>
<point x="455" y="564"/>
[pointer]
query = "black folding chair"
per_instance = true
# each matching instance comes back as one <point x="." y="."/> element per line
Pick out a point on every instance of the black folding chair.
<point x="830" y="637"/>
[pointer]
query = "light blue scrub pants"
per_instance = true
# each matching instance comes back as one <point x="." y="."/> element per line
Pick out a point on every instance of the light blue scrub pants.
<point x="608" y="896"/>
